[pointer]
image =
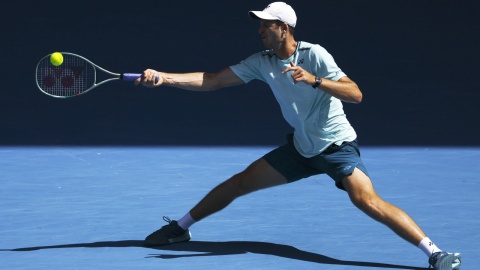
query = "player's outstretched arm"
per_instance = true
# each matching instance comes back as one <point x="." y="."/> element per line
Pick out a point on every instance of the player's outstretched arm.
<point x="195" y="81"/>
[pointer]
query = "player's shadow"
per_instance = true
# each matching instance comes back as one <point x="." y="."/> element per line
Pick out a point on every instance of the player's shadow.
<point x="205" y="248"/>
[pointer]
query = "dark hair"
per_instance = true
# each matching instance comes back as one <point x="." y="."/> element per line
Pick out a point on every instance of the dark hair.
<point x="292" y="29"/>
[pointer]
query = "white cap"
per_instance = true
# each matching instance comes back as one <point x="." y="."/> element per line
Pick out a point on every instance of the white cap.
<point x="277" y="11"/>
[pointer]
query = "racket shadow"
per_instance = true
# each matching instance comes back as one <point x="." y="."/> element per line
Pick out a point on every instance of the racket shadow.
<point x="205" y="248"/>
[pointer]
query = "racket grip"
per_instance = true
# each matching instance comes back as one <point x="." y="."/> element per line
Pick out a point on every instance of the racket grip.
<point x="130" y="77"/>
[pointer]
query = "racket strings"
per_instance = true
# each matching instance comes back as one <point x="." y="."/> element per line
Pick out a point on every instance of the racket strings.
<point x="73" y="77"/>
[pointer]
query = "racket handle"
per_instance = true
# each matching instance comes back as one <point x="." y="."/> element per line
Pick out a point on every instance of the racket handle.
<point x="133" y="76"/>
<point x="130" y="76"/>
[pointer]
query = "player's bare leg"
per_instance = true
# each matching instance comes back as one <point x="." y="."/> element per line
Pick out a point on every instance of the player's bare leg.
<point x="363" y="196"/>
<point x="258" y="175"/>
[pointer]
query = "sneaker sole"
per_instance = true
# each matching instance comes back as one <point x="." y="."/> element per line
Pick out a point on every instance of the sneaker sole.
<point x="184" y="238"/>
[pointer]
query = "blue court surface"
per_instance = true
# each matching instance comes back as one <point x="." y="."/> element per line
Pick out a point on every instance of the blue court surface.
<point x="91" y="207"/>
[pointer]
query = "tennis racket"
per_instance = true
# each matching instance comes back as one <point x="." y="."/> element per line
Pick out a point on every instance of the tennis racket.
<point x="74" y="77"/>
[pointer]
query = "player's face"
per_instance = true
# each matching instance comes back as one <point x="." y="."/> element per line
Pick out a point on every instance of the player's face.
<point x="271" y="33"/>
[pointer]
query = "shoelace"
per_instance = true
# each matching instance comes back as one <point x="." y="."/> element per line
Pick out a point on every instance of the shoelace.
<point x="167" y="219"/>
<point x="432" y="260"/>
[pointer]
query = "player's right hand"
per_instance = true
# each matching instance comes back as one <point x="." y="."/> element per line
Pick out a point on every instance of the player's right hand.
<point x="150" y="78"/>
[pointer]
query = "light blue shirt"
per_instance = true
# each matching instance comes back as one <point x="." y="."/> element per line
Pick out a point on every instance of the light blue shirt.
<point x="317" y="117"/>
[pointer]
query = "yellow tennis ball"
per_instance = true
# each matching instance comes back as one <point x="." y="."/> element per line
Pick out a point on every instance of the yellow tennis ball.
<point x="56" y="59"/>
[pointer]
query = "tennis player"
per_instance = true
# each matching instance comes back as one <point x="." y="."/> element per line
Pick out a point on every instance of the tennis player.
<point x="310" y="88"/>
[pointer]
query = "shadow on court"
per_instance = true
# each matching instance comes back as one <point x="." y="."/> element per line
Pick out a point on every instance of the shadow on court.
<point x="205" y="248"/>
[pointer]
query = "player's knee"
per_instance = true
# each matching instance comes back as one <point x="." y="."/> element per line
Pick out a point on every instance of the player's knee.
<point x="370" y="204"/>
<point x="241" y="185"/>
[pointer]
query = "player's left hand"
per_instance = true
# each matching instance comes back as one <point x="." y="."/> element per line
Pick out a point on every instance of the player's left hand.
<point x="299" y="74"/>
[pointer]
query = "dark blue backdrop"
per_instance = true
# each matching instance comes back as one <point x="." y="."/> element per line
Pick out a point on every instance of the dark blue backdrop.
<point x="415" y="61"/>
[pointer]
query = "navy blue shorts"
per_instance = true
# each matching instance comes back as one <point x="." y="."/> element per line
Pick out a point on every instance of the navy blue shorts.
<point x="337" y="161"/>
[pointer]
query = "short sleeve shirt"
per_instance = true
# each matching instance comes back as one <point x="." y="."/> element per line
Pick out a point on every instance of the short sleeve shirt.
<point x="317" y="117"/>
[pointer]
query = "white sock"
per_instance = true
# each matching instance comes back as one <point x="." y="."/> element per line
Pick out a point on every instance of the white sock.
<point x="427" y="246"/>
<point x="186" y="221"/>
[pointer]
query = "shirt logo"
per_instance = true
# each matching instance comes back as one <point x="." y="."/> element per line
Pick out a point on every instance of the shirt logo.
<point x="300" y="62"/>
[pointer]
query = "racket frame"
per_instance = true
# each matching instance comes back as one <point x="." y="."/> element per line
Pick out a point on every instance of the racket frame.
<point x="117" y="76"/>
